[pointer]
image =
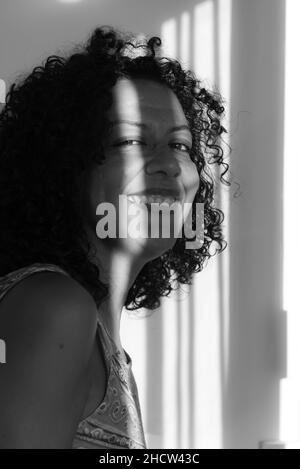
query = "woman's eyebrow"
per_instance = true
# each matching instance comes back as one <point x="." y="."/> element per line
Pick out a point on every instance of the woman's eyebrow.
<point x="145" y="126"/>
<point x="125" y="121"/>
<point x="179" y="127"/>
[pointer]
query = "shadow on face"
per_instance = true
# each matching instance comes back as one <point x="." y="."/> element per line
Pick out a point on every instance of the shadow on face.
<point x="147" y="160"/>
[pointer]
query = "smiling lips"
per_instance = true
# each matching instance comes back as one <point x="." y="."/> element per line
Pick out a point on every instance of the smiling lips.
<point x="150" y="199"/>
<point x="156" y="195"/>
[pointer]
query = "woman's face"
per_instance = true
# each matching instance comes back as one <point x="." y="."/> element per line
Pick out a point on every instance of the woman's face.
<point x="146" y="159"/>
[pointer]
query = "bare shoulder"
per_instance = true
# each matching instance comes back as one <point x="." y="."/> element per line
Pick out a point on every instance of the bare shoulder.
<point x="31" y="300"/>
<point x="48" y="321"/>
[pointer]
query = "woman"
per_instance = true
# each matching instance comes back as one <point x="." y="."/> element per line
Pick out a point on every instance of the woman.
<point x="112" y="119"/>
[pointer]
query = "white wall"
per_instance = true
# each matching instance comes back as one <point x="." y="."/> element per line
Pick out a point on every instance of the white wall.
<point x="252" y="400"/>
<point x="209" y="369"/>
<point x="33" y="29"/>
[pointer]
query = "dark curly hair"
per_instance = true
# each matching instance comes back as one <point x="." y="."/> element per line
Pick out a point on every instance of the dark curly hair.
<point x="51" y="129"/>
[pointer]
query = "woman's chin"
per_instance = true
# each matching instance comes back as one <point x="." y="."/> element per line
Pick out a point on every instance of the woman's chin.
<point x="148" y="239"/>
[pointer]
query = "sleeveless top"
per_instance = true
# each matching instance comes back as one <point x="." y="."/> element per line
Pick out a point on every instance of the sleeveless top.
<point x="116" y="422"/>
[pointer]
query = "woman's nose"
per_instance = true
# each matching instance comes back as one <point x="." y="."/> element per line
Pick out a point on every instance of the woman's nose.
<point x="165" y="164"/>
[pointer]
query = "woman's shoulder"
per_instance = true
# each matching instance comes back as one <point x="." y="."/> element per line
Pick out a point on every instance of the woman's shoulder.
<point x="47" y="300"/>
<point x="48" y="321"/>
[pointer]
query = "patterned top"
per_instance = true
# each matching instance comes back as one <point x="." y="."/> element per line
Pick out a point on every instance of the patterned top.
<point x="116" y="422"/>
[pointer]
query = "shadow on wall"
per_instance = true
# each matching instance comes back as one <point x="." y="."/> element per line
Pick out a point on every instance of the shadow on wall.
<point x="215" y="357"/>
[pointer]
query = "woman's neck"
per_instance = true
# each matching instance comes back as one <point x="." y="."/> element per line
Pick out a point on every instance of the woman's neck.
<point x="118" y="270"/>
<point x="119" y="276"/>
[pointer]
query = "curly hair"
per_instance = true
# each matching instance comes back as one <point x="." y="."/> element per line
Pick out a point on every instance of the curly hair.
<point x="51" y="130"/>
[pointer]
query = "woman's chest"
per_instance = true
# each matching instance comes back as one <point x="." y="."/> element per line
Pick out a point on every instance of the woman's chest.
<point x="98" y="377"/>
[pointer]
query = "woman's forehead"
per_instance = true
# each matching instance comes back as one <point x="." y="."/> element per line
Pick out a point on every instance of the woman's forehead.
<point x="142" y="98"/>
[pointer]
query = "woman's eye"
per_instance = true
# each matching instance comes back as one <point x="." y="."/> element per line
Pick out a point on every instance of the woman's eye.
<point x="129" y="142"/>
<point x="181" y="147"/>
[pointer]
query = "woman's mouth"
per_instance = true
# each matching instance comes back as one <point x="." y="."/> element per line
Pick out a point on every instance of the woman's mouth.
<point x="151" y="199"/>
